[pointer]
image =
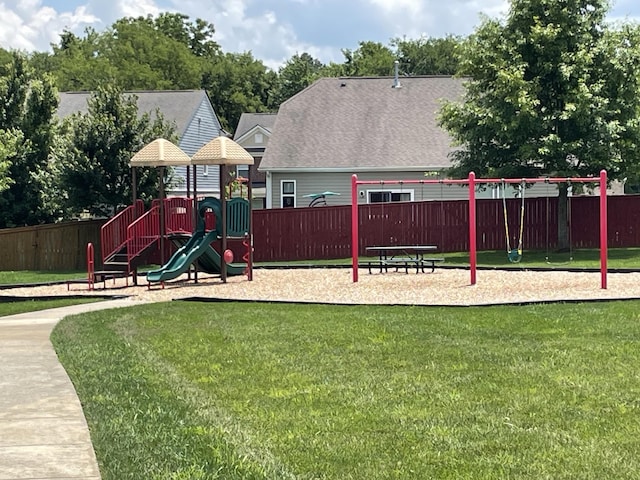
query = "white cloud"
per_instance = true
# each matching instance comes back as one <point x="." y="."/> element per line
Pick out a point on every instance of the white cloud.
<point x="28" y="25"/>
<point x="412" y="7"/>
<point x="415" y="18"/>
<point x="262" y="32"/>
<point x="139" y="8"/>
<point x="625" y="10"/>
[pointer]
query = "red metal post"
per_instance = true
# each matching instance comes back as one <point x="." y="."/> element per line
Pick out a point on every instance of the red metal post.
<point x="472" y="227"/>
<point x="354" y="225"/>
<point x="603" y="229"/>
<point x="90" y="266"/>
<point x="250" y="236"/>
<point x="223" y="208"/>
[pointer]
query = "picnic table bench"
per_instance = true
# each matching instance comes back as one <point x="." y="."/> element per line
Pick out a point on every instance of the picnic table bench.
<point x="403" y="256"/>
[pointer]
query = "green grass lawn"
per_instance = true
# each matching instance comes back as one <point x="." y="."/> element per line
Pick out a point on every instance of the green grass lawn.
<point x="29" y="277"/>
<point x="583" y="258"/>
<point x="36" y="304"/>
<point x="274" y="391"/>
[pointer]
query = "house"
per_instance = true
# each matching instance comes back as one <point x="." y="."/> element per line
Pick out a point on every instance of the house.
<point x="192" y="114"/>
<point x="253" y="133"/>
<point x="381" y="128"/>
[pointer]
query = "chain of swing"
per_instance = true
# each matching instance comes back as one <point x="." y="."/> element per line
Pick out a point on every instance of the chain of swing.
<point x="514" y="255"/>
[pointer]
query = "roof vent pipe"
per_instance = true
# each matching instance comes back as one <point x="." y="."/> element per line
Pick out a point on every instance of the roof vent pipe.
<point x="396" y="79"/>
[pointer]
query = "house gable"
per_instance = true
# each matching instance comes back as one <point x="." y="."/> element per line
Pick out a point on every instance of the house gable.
<point x="177" y="106"/>
<point x="253" y="134"/>
<point x="249" y="120"/>
<point x="363" y="124"/>
<point x="190" y="111"/>
<point x="202" y="127"/>
<point x="256" y="138"/>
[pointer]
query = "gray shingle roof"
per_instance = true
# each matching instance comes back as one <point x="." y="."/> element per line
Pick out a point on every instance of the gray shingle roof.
<point x="250" y="120"/>
<point x="177" y="106"/>
<point x="363" y="124"/>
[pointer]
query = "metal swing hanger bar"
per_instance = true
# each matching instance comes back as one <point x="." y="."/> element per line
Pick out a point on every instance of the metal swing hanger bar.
<point x="412" y="182"/>
<point x="539" y="180"/>
<point x="463" y="181"/>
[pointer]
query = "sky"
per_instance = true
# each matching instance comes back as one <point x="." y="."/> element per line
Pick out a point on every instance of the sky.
<point x="273" y="30"/>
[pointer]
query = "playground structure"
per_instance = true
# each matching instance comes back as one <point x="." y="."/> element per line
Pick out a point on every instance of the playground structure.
<point x="472" y="182"/>
<point x="194" y="225"/>
<point x="128" y="245"/>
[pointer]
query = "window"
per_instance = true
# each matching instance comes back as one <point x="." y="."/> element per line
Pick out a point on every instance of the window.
<point x="288" y="193"/>
<point x="242" y="171"/>
<point x="385" y="196"/>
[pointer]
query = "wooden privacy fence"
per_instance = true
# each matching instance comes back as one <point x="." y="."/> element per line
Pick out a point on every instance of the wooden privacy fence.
<point x="56" y="247"/>
<point x="302" y="233"/>
<point x="325" y="232"/>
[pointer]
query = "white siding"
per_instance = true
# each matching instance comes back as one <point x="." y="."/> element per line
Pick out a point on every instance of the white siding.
<point x="203" y="127"/>
<point x="309" y="183"/>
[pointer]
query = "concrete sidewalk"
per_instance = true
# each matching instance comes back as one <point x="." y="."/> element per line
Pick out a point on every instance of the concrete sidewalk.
<point x="43" y="432"/>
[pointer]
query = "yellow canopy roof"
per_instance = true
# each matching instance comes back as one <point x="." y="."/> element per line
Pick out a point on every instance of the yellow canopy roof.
<point x="222" y="151"/>
<point x="160" y="153"/>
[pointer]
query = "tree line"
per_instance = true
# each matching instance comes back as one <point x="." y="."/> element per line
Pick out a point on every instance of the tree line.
<point x="552" y="89"/>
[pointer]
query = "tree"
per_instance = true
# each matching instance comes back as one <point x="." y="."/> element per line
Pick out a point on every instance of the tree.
<point x="166" y="52"/>
<point x="10" y="141"/>
<point x="369" y="59"/>
<point x="238" y="83"/>
<point x="91" y="160"/>
<point x="26" y="133"/>
<point x="198" y="36"/>
<point x="428" y="56"/>
<point x="78" y="64"/>
<point x="299" y="72"/>
<point x="333" y="69"/>
<point x="144" y="57"/>
<point x="6" y="58"/>
<point x="552" y="91"/>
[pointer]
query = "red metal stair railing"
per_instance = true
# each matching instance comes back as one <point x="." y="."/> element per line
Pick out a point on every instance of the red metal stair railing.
<point x="113" y="234"/>
<point x="142" y="233"/>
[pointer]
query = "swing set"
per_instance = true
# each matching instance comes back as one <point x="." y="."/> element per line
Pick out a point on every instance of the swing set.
<point x="472" y="182"/>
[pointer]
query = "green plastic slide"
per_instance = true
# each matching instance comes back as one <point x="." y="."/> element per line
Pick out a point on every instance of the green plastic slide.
<point x="197" y="248"/>
<point x="210" y="261"/>
<point x="185" y="256"/>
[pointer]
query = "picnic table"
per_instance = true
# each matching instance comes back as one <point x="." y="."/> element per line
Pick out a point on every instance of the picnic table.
<point x="403" y="256"/>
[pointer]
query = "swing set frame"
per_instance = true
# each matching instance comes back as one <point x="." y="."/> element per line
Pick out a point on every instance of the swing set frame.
<point x="472" y="182"/>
